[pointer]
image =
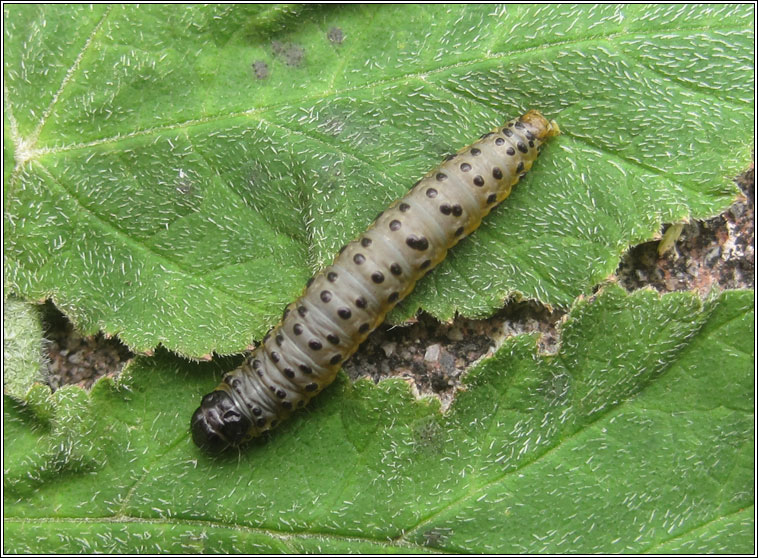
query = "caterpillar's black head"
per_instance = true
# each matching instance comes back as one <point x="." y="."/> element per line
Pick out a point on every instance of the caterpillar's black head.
<point x="218" y="424"/>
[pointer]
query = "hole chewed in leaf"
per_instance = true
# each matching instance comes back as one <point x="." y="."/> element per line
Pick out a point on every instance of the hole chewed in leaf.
<point x="77" y="359"/>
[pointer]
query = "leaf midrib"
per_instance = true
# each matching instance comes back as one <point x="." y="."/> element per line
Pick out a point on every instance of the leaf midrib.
<point x="284" y="536"/>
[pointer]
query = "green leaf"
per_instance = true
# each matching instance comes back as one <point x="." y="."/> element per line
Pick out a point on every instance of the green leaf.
<point x="637" y="436"/>
<point x="22" y="347"/>
<point x="181" y="171"/>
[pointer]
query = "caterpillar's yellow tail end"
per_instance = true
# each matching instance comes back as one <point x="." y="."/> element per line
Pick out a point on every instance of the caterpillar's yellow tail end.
<point x="543" y="127"/>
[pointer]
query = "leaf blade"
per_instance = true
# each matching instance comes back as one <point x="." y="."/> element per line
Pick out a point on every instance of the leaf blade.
<point x="630" y="428"/>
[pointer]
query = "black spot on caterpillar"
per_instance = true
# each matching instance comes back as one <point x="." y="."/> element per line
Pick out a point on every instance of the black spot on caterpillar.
<point x="346" y="300"/>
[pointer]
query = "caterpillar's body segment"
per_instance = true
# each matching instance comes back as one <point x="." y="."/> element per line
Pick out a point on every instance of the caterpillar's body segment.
<point x="345" y="301"/>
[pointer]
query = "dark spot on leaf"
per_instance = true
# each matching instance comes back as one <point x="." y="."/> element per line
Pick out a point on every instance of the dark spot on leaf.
<point x="335" y="35"/>
<point x="260" y="69"/>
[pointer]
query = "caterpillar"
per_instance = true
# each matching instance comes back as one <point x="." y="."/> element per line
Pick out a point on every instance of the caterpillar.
<point x="345" y="301"/>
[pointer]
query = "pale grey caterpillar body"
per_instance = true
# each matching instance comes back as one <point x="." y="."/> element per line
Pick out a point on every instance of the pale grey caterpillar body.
<point x="345" y="301"/>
